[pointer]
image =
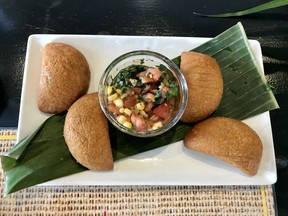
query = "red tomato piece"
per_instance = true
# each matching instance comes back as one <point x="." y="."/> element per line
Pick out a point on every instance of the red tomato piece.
<point x="156" y="73"/>
<point x="163" y="111"/>
<point x="137" y="90"/>
<point x="113" y="108"/>
<point x="138" y="122"/>
<point x="130" y="101"/>
<point x="147" y="79"/>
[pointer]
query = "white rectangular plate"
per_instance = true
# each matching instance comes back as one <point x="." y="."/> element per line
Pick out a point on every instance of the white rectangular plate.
<point x="169" y="165"/>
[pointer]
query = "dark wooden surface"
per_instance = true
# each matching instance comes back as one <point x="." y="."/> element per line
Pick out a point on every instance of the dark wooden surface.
<point x="19" y="19"/>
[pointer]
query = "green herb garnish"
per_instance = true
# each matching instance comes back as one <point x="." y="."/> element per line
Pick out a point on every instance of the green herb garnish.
<point x="174" y="90"/>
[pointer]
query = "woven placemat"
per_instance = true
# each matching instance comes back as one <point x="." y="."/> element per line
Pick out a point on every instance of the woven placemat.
<point x="133" y="200"/>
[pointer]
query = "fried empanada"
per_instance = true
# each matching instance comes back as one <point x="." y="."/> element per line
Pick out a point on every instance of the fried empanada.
<point x="64" y="78"/>
<point x="205" y="85"/>
<point x="87" y="135"/>
<point x="229" y="140"/>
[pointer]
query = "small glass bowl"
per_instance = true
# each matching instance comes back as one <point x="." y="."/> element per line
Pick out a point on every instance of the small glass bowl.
<point x="150" y="59"/>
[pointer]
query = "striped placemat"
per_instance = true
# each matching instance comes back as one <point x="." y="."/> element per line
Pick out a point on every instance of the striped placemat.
<point x="133" y="200"/>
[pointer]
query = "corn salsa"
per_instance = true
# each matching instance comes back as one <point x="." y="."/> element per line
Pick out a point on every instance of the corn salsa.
<point x="142" y="98"/>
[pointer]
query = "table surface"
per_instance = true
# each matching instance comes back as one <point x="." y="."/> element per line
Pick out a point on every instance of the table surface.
<point x="19" y="19"/>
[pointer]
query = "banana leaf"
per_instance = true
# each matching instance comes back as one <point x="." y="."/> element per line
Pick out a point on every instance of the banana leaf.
<point x="40" y="157"/>
<point x="262" y="7"/>
<point x="44" y="155"/>
<point x="48" y="147"/>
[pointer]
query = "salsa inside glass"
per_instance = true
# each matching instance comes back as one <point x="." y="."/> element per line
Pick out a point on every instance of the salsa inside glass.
<point x="141" y="97"/>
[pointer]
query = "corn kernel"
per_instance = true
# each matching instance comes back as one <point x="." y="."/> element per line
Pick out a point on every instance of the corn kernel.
<point x="143" y="113"/>
<point x="121" y="119"/>
<point x="112" y="97"/>
<point x="127" y="111"/>
<point x="127" y="124"/>
<point x="118" y="91"/>
<point x="140" y="106"/>
<point x="109" y="90"/>
<point x="123" y="95"/>
<point x="118" y="102"/>
<point x="157" y="125"/>
<point x="121" y="110"/>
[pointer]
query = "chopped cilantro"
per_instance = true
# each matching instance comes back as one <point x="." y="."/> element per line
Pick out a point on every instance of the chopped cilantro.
<point x="158" y="98"/>
<point x="124" y="90"/>
<point x="140" y="84"/>
<point x="122" y="79"/>
<point x="140" y="96"/>
<point x="173" y="90"/>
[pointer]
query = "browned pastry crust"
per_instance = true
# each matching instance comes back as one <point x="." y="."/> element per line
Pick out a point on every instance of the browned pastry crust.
<point x="229" y="140"/>
<point x="205" y="85"/>
<point x="86" y="134"/>
<point x="64" y="78"/>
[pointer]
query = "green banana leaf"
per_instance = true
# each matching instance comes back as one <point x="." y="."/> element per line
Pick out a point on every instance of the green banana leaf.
<point x="44" y="156"/>
<point x="262" y="7"/>
<point x="47" y="146"/>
